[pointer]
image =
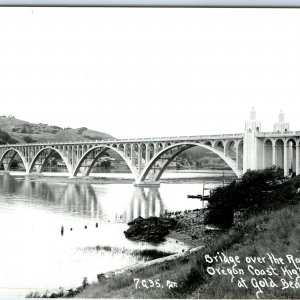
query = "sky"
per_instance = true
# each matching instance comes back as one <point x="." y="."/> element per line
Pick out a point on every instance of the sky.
<point x="148" y="72"/>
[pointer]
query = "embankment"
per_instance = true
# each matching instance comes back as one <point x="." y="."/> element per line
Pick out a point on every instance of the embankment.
<point x="262" y="247"/>
<point x="275" y="232"/>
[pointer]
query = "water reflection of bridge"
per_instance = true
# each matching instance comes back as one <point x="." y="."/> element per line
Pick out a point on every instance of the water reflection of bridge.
<point x="81" y="198"/>
<point x="145" y="202"/>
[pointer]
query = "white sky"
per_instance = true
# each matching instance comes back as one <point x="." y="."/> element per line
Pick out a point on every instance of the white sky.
<point x="138" y="72"/>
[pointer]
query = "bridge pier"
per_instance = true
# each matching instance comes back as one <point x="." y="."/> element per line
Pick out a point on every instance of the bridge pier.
<point x="4" y="172"/>
<point x="274" y="155"/>
<point x="285" y="160"/>
<point x="33" y="175"/>
<point x="38" y="168"/>
<point x="6" y="166"/>
<point x="297" y="160"/>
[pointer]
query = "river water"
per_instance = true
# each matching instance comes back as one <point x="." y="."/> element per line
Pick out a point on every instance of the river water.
<point x="35" y="256"/>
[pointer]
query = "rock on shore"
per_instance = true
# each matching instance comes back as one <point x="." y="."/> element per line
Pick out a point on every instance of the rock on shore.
<point x="152" y="229"/>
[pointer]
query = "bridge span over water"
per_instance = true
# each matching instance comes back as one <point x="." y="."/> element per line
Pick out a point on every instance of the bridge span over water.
<point x="148" y="158"/>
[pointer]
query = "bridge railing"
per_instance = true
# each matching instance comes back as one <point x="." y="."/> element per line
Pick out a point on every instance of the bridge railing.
<point x="278" y="134"/>
<point x="156" y="139"/>
<point x="131" y="140"/>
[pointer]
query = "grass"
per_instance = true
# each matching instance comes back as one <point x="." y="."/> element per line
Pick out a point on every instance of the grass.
<point x="276" y="231"/>
<point x="124" y="286"/>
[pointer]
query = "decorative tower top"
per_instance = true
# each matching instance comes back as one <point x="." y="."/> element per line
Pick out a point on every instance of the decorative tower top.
<point x="252" y="114"/>
<point x="253" y="126"/>
<point x="280" y="126"/>
<point x="281" y="117"/>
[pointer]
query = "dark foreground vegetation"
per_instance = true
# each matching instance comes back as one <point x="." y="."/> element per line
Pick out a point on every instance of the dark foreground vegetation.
<point x="256" y="191"/>
<point x="5" y="138"/>
<point x="152" y="229"/>
<point x="269" y="223"/>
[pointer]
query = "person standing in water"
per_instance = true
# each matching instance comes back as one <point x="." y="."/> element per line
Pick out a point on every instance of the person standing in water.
<point x="62" y="230"/>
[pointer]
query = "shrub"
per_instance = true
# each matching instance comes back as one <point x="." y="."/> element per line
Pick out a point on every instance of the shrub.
<point x="29" y="139"/>
<point x="53" y="131"/>
<point x="256" y="190"/>
<point x="5" y="138"/>
<point x="85" y="282"/>
<point x="81" y="130"/>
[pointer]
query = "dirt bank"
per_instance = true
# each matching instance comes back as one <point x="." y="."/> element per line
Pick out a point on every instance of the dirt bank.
<point x="190" y="228"/>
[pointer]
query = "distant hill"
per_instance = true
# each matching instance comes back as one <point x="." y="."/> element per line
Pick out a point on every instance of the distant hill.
<point x="13" y="131"/>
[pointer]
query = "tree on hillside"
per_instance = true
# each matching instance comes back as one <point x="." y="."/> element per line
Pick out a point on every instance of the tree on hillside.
<point x="5" y="138"/>
<point x="256" y="190"/>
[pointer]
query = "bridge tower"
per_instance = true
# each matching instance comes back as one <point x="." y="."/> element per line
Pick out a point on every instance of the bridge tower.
<point x="281" y="126"/>
<point x="253" y="147"/>
<point x="290" y="148"/>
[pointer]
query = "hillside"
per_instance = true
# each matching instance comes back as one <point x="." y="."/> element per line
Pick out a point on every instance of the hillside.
<point x="18" y="131"/>
<point x="13" y="131"/>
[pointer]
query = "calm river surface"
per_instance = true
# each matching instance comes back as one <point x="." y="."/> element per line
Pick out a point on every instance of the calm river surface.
<point x="34" y="256"/>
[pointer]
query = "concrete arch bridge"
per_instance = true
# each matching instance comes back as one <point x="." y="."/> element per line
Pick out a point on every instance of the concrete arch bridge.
<point x="147" y="159"/>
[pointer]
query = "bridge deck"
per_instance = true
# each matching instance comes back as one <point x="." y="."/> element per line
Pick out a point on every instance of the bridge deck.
<point x="136" y="140"/>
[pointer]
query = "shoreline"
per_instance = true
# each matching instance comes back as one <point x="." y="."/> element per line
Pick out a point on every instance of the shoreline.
<point x="190" y="230"/>
<point x="190" y="223"/>
<point x="212" y="176"/>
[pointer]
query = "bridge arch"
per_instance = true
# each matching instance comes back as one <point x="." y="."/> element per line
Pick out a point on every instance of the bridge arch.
<point x="219" y="145"/>
<point x="208" y="143"/>
<point x="279" y="154"/>
<point x="52" y="149"/>
<point x="269" y="140"/>
<point x="16" y="151"/>
<point x="268" y="158"/>
<point x="291" y="144"/>
<point x="105" y="148"/>
<point x="151" y="149"/>
<point x="229" y="147"/>
<point x="182" y="147"/>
